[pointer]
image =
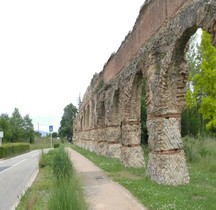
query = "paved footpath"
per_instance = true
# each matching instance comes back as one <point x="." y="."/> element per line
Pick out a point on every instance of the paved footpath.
<point x="101" y="193"/>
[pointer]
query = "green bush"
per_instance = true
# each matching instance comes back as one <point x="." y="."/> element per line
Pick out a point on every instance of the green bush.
<point x="56" y="145"/>
<point x="11" y="149"/>
<point x="46" y="159"/>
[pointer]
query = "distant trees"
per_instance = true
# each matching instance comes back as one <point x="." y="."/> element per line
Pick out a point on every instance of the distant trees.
<point x="54" y="134"/>
<point x="17" y="128"/>
<point x="66" y="124"/>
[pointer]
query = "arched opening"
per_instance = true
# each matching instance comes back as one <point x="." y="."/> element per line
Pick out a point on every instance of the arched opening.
<point x="198" y="129"/>
<point x="143" y="114"/>
<point x="130" y="127"/>
<point x="87" y="116"/>
<point x="84" y="119"/>
<point x="164" y="122"/>
<point x="189" y="124"/>
<point x="101" y="114"/>
<point x="115" y="107"/>
<point x="200" y="87"/>
<point x="81" y="123"/>
<point x="135" y="101"/>
<point x="92" y="123"/>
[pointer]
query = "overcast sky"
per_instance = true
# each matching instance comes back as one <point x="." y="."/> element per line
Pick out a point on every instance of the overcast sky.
<point x="50" y="49"/>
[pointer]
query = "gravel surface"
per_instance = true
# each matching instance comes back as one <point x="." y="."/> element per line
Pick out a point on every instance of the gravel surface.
<point x="102" y="193"/>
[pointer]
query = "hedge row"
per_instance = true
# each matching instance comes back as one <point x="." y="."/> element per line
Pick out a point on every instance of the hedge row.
<point x="13" y="149"/>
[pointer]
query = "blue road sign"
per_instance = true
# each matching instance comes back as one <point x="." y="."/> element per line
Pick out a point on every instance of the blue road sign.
<point x="51" y="128"/>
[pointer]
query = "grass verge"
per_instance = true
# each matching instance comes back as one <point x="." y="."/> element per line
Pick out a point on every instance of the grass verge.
<point x="56" y="187"/>
<point x="66" y="193"/>
<point x="199" y="194"/>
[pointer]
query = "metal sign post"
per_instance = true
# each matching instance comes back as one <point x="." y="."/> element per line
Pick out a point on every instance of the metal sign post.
<point x="51" y="130"/>
<point x="1" y="136"/>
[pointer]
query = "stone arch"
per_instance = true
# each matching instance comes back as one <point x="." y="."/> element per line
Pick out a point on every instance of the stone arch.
<point x="136" y="97"/>
<point x="167" y="162"/>
<point x="155" y="47"/>
<point x="87" y="116"/>
<point x="116" y="107"/>
<point x="84" y="119"/>
<point x="101" y="114"/>
<point x="132" y="153"/>
<point x="81" y="123"/>
<point x="92" y="110"/>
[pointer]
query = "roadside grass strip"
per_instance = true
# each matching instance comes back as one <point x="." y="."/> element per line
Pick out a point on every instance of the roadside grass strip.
<point x="56" y="187"/>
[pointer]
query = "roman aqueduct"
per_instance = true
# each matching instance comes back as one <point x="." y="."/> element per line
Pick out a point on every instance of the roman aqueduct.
<point x="108" y="122"/>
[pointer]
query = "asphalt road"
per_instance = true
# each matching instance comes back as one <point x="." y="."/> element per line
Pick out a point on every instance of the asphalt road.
<point x="16" y="175"/>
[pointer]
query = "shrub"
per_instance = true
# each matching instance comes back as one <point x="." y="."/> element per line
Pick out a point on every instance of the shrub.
<point x="46" y="159"/>
<point x="56" y="145"/>
<point x="11" y="149"/>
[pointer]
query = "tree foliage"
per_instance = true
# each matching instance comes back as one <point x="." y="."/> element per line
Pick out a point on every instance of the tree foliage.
<point x="192" y="121"/>
<point x="5" y="126"/>
<point x="17" y="125"/>
<point x="201" y="94"/>
<point x="206" y="81"/>
<point x="17" y="128"/>
<point x="66" y="124"/>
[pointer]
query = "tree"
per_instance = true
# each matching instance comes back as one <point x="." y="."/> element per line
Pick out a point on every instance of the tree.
<point x="17" y="128"/>
<point x="5" y="127"/>
<point x="28" y="129"/>
<point x="17" y="124"/>
<point x="205" y="81"/>
<point x="66" y="124"/>
<point x="54" y="134"/>
<point x="192" y="121"/>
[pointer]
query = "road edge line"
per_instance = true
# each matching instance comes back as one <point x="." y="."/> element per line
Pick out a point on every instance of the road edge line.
<point x="30" y="182"/>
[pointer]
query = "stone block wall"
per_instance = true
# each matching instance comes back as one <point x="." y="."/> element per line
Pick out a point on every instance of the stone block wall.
<point x="108" y="122"/>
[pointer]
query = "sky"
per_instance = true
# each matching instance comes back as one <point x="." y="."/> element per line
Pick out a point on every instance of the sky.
<point x="50" y="50"/>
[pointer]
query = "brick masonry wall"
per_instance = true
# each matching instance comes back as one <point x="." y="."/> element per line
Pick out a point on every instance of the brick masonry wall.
<point x="108" y="122"/>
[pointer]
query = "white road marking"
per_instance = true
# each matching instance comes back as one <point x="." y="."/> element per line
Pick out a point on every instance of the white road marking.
<point x="13" y="166"/>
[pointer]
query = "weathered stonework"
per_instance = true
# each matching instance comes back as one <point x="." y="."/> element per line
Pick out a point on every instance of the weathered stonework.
<point x="108" y="122"/>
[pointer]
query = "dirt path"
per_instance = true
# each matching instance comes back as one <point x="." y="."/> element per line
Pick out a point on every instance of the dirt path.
<point x="101" y="193"/>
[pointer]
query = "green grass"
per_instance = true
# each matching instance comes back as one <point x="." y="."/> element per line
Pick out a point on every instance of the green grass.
<point x="66" y="193"/>
<point x="199" y="194"/>
<point x="43" y="143"/>
<point x="56" y="187"/>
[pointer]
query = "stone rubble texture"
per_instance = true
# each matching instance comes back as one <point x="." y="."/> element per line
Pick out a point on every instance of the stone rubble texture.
<point x="108" y="122"/>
